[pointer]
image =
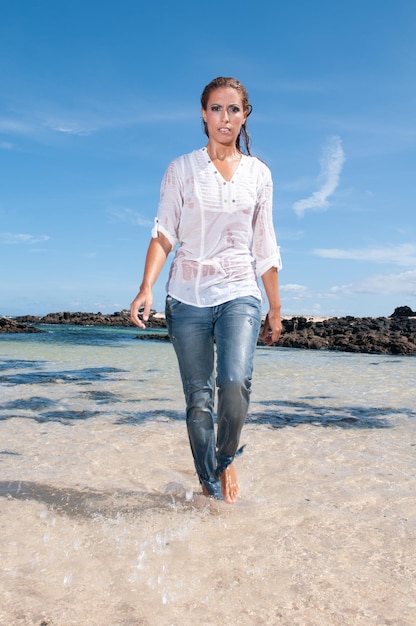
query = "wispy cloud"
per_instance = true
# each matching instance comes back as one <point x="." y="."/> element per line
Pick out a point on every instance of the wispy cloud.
<point x="403" y="284"/>
<point x="87" y="122"/>
<point x="21" y="238"/>
<point x="400" y="286"/>
<point x="69" y="128"/>
<point x="332" y="160"/>
<point x="84" y="116"/>
<point x="36" y="123"/>
<point x="14" y="126"/>
<point x="131" y="216"/>
<point x="403" y="254"/>
<point x="286" y="234"/>
<point x="6" y="145"/>
<point x="295" y="291"/>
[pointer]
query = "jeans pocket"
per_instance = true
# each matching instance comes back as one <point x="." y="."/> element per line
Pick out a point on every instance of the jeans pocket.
<point x="172" y="306"/>
<point x="254" y="304"/>
<point x="171" y="303"/>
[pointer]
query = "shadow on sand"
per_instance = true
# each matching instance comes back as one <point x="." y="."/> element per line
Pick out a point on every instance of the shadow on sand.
<point x="90" y="503"/>
<point x="314" y="411"/>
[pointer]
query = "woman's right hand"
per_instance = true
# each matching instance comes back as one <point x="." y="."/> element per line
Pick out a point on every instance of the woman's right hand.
<point x="157" y="253"/>
<point x="141" y="306"/>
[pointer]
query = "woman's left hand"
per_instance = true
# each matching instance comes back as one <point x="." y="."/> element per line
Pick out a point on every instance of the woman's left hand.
<point x="272" y="328"/>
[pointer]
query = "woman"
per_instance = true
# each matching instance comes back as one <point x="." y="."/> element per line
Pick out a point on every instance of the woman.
<point x="216" y="209"/>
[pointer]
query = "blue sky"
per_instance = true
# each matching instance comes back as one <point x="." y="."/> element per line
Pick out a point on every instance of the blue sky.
<point x="98" y="96"/>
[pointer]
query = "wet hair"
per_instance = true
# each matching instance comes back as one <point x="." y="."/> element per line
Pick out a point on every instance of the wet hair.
<point x="222" y="81"/>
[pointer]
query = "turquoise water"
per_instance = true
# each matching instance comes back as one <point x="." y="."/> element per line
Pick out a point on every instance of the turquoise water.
<point x="289" y="386"/>
<point x="116" y="369"/>
<point x="80" y="335"/>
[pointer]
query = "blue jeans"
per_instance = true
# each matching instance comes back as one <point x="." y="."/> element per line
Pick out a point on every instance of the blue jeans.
<point x="233" y="328"/>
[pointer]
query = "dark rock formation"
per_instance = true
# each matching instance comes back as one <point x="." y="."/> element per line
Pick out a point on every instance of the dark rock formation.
<point x="373" y="335"/>
<point x="403" y="311"/>
<point x="157" y="336"/>
<point x="120" y="318"/>
<point x="11" y="326"/>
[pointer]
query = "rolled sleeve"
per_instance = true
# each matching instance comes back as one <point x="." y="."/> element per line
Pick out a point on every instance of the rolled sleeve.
<point x="170" y="205"/>
<point x="266" y="252"/>
<point x="273" y="261"/>
<point x="158" y="228"/>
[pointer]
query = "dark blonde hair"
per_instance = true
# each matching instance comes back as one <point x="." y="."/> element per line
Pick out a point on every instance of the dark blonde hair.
<point x="222" y="81"/>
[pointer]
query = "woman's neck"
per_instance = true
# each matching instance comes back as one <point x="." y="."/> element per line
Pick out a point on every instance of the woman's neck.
<point x="225" y="159"/>
<point x="218" y="152"/>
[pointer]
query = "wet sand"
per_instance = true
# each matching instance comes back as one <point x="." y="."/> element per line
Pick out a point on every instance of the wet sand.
<point x="324" y="533"/>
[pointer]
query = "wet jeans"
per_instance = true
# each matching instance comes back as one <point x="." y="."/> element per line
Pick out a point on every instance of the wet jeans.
<point x="231" y="330"/>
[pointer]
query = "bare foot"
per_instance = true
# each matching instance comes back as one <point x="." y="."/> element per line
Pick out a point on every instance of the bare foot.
<point x="230" y="487"/>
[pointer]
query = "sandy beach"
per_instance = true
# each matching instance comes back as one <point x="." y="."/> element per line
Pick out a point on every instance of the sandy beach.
<point x="103" y="522"/>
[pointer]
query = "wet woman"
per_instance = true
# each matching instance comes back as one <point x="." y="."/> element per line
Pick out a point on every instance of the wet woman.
<point x="215" y="212"/>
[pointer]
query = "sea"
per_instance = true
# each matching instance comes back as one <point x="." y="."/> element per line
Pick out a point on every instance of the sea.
<point x="102" y="517"/>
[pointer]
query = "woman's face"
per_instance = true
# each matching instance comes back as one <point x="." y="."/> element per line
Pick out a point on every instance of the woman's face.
<point x="224" y="115"/>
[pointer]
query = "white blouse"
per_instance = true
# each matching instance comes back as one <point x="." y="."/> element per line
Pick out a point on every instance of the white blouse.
<point x="223" y="230"/>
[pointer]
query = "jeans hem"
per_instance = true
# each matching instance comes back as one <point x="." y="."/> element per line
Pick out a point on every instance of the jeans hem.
<point x="213" y="489"/>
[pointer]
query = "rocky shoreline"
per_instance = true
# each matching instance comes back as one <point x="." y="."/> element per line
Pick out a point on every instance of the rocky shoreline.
<point x="371" y="335"/>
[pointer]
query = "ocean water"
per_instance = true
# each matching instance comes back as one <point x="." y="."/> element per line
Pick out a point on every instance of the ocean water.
<point x="101" y="513"/>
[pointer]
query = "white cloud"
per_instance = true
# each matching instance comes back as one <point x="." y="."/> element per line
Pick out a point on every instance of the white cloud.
<point x="294" y="288"/>
<point x="294" y="292"/>
<point x="403" y="283"/>
<point x="332" y="160"/>
<point x="71" y="128"/>
<point x="16" y="238"/>
<point x="402" y="254"/>
<point x="290" y="235"/>
<point x="131" y="216"/>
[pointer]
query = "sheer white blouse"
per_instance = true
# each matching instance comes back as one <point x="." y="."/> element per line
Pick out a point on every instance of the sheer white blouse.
<point x="223" y="230"/>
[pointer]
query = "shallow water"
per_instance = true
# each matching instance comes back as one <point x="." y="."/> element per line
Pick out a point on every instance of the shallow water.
<point x="101" y="514"/>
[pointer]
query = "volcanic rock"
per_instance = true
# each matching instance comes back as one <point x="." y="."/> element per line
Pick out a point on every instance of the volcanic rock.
<point x="8" y="325"/>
